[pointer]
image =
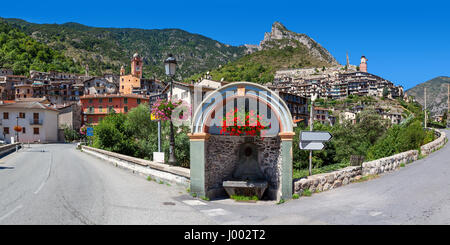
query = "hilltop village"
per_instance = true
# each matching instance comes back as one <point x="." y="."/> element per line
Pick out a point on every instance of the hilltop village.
<point x="38" y="101"/>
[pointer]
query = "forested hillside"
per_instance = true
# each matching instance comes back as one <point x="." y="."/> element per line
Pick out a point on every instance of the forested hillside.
<point x="106" y="49"/>
<point x="22" y="53"/>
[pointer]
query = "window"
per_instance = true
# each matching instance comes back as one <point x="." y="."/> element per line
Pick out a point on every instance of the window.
<point x="110" y="100"/>
<point x="5" y="115"/>
<point x="100" y="100"/>
<point x="110" y="109"/>
<point x="138" y="101"/>
<point x="21" y="114"/>
<point x="122" y="86"/>
<point x="125" y="100"/>
<point x="90" y="120"/>
<point x="23" y="130"/>
<point x="125" y="108"/>
<point x="100" y="108"/>
<point x="5" y="130"/>
<point x="90" y="101"/>
<point x="91" y="109"/>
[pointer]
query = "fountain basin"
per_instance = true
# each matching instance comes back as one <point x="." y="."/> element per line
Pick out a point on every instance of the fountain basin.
<point x="245" y="187"/>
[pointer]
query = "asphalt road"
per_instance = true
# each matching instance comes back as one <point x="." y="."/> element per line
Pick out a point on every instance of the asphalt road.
<point x="57" y="184"/>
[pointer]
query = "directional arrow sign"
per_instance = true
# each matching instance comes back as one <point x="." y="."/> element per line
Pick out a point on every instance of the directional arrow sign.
<point x="311" y="145"/>
<point x="310" y="140"/>
<point x="321" y="136"/>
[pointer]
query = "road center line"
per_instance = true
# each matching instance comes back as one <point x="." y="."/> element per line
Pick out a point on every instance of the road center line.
<point x="11" y="212"/>
<point x="48" y="175"/>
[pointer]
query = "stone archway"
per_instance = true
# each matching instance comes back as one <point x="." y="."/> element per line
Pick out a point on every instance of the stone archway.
<point x="213" y="156"/>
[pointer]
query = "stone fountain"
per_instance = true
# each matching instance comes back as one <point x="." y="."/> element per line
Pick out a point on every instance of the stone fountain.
<point x="247" y="179"/>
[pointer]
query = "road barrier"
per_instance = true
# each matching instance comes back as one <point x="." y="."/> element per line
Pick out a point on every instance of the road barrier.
<point x="6" y="149"/>
<point x="434" y="145"/>
<point x="157" y="171"/>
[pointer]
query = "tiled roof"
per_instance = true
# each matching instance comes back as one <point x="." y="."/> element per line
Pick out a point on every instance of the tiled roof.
<point x="27" y="105"/>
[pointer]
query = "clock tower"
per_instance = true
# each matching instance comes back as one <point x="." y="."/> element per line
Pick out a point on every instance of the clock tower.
<point x="136" y="66"/>
<point x="363" y="65"/>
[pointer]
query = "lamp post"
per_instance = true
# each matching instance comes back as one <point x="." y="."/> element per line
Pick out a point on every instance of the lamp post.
<point x="171" y="64"/>
<point x="311" y="117"/>
<point x="17" y="132"/>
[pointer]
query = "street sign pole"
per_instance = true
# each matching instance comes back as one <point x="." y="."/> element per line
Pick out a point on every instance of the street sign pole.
<point x="311" y="129"/>
<point x="313" y="141"/>
<point x="159" y="135"/>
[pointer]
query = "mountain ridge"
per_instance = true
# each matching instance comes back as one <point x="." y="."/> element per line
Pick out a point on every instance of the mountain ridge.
<point x="280" y="49"/>
<point x="107" y="49"/>
<point x="436" y="94"/>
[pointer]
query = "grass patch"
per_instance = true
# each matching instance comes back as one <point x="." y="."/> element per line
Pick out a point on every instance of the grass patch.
<point x="161" y="182"/>
<point x="244" y="198"/>
<point x="281" y="201"/>
<point x="306" y="193"/>
<point x="301" y="173"/>
<point x="402" y="165"/>
<point x="149" y="178"/>
<point x="194" y="194"/>
<point x="205" y="198"/>
<point x="295" y="196"/>
<point x="188" y="190"/>
<point x="366" y="178"/>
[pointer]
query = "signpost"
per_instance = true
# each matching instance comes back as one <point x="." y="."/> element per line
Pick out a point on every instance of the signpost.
<point x="313" y="141"/>
<point x="152" y="100"/>
<point x="90" y="133"/>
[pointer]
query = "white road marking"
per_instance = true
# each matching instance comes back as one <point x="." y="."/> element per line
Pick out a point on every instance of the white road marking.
<point x="194" y="202"/>
<point x="48" y="175"/>
<point x="375" y="213"/>
<point x="11" y="212"/>
<point x="215" y="212"/>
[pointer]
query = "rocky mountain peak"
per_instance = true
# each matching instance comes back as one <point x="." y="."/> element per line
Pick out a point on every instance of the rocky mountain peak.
<point x="281" y="37"/>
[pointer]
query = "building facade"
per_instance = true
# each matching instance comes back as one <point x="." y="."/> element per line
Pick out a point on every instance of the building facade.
<point x="95" y="107"/>
<point x="38" y="122"/>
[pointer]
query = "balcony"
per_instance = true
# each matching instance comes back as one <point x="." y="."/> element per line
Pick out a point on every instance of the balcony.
<point x="36" y="122"/>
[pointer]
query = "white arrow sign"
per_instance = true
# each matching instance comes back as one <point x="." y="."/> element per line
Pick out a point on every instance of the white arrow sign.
<point x="321" y="136"/>
<point x="313" y="140"/>
<point x="311" y="145"/>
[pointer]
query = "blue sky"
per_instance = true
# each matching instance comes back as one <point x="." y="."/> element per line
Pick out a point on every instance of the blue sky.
<point x="406" y="42"/>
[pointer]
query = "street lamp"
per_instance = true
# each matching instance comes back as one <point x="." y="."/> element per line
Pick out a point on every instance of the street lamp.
<point x="313" y="96"/>
<point x="171" y="64"/>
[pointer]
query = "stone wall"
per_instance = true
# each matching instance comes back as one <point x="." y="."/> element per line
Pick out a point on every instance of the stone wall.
<point x="327" y="181"/>
<point x="387" y="164"/>
<point x="434" y="145"/>
<point x="222" y="157"/>
<point x="158" y="171"/>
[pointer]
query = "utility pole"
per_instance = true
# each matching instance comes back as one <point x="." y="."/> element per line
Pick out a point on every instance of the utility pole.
<point x="313" y="98"/>
<point x="425" y="111"/>
<point x="311" y="129"/>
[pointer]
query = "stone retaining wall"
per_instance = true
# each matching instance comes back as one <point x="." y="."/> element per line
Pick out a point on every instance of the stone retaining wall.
<point x="327" y="181"/>
<point x="387" y="164"/>
<point x="434" y="145"/>
<point x="158" y="171"/>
